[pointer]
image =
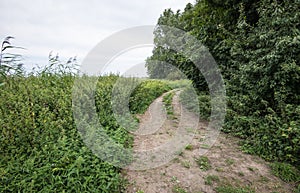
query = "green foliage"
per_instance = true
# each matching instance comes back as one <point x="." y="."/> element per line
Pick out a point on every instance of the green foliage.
<point x="174" y="84"/>
<point x="178" y="189"/>
<point x="268" y="74"/>
<point x="186" y="164"/>
<point x="174" y="75"/>
<point x="199" y="104"/>
<point x="203" y="163"/>
<point x="57" y="67"/>
<point x="145" y="93"/>
<point x="256" y="45"/>
<point x="285" y="171"/>
<point x="297" y="190"/>
<point x="229" y="161"/>
<point x="210" y="179"/>
<point x="41" y="149"/>
<point x="231" y="189"/>
<point x="167" y="100"/>
<point x="189" y="147"/>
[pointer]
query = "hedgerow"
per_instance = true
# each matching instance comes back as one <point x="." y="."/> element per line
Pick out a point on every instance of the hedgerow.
<point x="256" y="45"/>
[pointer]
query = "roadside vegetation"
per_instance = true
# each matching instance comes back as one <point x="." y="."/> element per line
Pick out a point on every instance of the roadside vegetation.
<point x="256" y="45"/>
<point x="41" y="149"/>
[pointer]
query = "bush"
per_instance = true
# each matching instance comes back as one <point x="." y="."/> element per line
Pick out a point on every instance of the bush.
<point x="41" y="149"/>
<point x="145" y="93"/>
<point x="256" y="45"/>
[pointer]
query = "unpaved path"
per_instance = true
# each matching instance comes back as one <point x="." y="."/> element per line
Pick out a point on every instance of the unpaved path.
<point x="223" y="164"/>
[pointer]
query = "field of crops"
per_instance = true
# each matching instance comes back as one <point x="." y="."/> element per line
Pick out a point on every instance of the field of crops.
<point x="41" y="149"/>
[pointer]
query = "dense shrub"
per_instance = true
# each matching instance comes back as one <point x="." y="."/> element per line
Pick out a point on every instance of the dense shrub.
<point x="145" y="94"/>
<point x="256" y="45"/>
<point x="264" y="95"/>
<point x="41" y="149"/>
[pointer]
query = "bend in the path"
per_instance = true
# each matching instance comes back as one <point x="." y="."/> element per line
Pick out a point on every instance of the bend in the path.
<point x="227" y="163"/>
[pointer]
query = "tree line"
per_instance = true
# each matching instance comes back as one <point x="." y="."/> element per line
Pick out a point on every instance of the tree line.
<point x="256" y="44"/>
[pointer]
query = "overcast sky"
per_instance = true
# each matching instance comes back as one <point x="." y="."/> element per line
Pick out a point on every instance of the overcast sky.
<point x="73" y="28"/>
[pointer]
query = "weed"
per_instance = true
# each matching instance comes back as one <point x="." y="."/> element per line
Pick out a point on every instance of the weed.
<point x="285" y="171"/>
<point x="186" y="164"/>
<point x="210" y="179"/>
<point x="178" y="189"/>
<point x="205" y="146"/>
<point x="189" y="147"/>
<point x="167" y="100"/>
<point x="203" y="163"/>
<point x="190" y="130"/>
<point x="174" y="179"/>
<point x="219" y="169"/>
<point x="231" y="189"/>
<point x="41" y="148"/>
<point x="179" y="153"/>
<point x="153" y="157"/>
<point x="297" y="190"/>
<point x="229" y="161"/>
<point x="251" y="169"/>
<point x="10" y="64"/>
<point x="264" y="179"/>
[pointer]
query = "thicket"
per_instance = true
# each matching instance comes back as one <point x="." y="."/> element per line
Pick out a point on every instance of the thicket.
<point x="257" y="47"/>
<point x="41" y="149"/>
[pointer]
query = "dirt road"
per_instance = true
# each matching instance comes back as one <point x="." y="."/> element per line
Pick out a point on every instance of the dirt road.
<point x="196" y="167"/>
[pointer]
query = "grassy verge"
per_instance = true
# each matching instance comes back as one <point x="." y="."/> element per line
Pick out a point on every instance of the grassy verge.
<point x="167" y="100"/>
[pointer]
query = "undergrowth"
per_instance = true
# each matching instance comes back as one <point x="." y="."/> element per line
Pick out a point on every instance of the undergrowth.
<point x="286" y="172"/>
<point x="167" y="100"/>
<point x="41" y="149"/>
<point x="199" y="103"/>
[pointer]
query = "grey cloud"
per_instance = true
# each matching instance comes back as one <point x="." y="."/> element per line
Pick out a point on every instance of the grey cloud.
<point x="74" y="27"/>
